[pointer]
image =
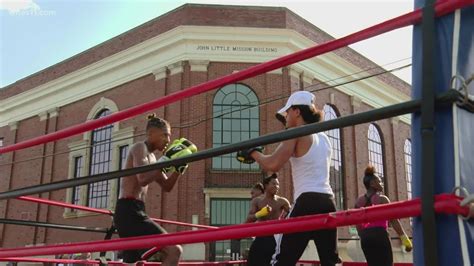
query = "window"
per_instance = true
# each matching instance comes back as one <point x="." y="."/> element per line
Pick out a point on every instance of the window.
<point x="123" y="151"/>
<point x="376" y="152"/>
<point x="227" y="212"/>
<point x="407" y="153"/>
<point x="102" y="150"/>
<point x="100" y="161"/>
<point x="76" y="192"/>
<point x="335" y="173"/>
<point x="236" y="118"/>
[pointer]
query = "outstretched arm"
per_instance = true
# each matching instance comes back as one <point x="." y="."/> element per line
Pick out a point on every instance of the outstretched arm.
<point x="397" y="226"/>
<point x="275" y="161"/>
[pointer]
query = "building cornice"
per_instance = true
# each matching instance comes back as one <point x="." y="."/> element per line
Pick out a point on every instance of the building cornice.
<point x="193" y="43"/>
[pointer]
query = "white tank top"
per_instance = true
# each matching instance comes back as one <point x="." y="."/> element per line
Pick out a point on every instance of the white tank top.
<point x="311" y="171"/>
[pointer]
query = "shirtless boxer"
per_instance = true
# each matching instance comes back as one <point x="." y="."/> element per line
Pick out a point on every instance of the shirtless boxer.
<point x="130" y="218"/>
<point x="268" y="206"/>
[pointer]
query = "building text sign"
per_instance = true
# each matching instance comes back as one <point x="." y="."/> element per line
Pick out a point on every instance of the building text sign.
<point x="230" y="48"/>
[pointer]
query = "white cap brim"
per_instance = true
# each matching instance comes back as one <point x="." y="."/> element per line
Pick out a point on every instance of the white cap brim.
<point x="297" y="98"/>
<point x="283" y="110"/>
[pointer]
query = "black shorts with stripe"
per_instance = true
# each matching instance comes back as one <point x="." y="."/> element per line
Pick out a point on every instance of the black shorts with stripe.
<point x="290" y="247"/>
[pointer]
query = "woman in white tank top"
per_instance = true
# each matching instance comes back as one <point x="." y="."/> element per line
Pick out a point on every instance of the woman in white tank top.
<point x="310" y="158"/>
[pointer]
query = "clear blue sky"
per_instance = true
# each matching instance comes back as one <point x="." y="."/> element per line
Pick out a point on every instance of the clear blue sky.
<point x="36" y="34"/>
<point x="32" y="41"/>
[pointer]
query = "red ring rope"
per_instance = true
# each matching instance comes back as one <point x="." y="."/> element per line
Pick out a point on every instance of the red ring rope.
<point x="181" y="263"/>
<point x="96" y="262"/>
<point x="441" y="8"/>
<point x="444" y="203"/>
<point x="46" y="260"/>
<point x="108" y="212"/>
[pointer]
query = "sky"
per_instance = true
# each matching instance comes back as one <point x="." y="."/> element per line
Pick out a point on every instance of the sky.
<point x="36" y="34"/>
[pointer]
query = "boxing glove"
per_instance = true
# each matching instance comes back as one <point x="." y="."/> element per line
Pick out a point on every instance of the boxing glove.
<point x="243" y="156"/>
<point x="179" y="148"/>
<point x="191" y="146"/>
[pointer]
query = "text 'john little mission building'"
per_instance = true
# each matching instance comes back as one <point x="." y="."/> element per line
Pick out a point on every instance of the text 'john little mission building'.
<point x="185" y="47"/>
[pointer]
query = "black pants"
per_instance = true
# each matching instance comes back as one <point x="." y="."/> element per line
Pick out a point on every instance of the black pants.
<point x="290" y="247"/>
<point x="130" y="220"/>
<point x="261" y="251"/>
<point x="376" y="245"/>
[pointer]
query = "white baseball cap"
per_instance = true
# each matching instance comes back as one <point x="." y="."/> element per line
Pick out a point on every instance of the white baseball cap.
<point x="297" y="98"/>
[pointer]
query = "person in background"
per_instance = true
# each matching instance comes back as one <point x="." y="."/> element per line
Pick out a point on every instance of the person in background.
<point x="374" y="238"/>
<point x="268" y="206"/>
<point x="256" y="190"/>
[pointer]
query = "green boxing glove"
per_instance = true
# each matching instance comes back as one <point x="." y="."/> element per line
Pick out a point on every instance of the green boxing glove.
<point x="163" y="159"/>
<point x="179" y="148"/>
<point x="191" y="146"/>
<point x="179" y="169"/>
<point x="243" y="156"/>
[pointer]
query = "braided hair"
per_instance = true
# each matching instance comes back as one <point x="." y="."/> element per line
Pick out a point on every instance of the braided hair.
<point x="155" y="121"/>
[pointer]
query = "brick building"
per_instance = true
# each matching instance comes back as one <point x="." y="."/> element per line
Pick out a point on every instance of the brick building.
<point x="188" y="46"/>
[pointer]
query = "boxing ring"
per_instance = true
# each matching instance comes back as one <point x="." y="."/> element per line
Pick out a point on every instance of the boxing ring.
<point x="442" y="131"/>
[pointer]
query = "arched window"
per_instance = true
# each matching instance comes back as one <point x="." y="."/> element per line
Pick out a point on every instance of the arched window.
<point x="335" y="174"/>
<point x="236" y="118"/>
<point x="407" y="153"/>
<point x="376" y="152"/>
<point x="100" y="162"/>
<point x="99" y="151"/>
